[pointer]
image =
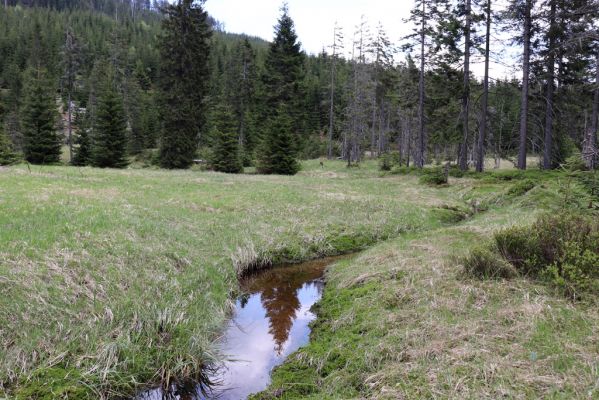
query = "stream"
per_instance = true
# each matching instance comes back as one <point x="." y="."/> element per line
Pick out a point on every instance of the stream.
<point x="271" y="321"/>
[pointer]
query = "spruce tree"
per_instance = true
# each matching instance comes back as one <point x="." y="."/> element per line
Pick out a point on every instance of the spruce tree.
<point x="283" y="111"/>
<point x="277" y="155"/>
<point x="7" y="154"/>
<point x="82" y="151"/>
<point x="109" y="144"/>
<point x="284" y="71"/>
<point x="184" y="81"/>
<point x="226" y="156"/>
<point x="42" y="143"/>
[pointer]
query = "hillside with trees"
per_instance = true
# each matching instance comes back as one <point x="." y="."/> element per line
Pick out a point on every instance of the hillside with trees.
<point x="422" y="102"/>
<point x="154" y="166"/>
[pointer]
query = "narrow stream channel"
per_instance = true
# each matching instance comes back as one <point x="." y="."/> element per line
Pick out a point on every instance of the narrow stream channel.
<point x="271" y="321"/>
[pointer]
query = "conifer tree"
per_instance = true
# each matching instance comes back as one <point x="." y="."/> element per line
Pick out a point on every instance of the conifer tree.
<point x="240" y="82"/>
<point x="282" y="81"/>
<point x="226" y="149"/>
<point x="184" y="83"/>
<point x="82" y="152"/>
<point x="42" y="143"/>
<point x="283" y="73"/>
<point x="7" y="154"/>
<point x="109" y="144"/>
<point x="277" y="155"/>
<point x="70" y="63"/>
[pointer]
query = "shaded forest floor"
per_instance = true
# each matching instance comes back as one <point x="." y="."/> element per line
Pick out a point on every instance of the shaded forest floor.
<point x="113" y="279"/>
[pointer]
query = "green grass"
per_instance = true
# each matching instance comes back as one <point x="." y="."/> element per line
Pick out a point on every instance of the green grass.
<point x="125" y="277"/>
<point x="110" y="280"/>
<point x="403" y="320"/>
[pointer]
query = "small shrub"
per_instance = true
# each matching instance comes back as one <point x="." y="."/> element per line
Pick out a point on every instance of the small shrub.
<point x="434" y="176"/>
<point x="507" y="175"/>
<point x="388" y="160"/>
<point x="563" y="249"/>
<point x="574" y="163"/>
<point x="456" y="172"/>
<point x="590" y="181"/>
<point x="484" y="263"/>
<point x="577" y="270"/>
<point x="520" y="188"/>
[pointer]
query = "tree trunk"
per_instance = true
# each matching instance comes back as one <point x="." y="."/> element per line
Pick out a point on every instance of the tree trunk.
<point x="595" y="122"/>
<point x="482" y="133"/>
<point x="547" y="159"/>
<point x="525" y="84"/>
<point x="332" y="106"/>
<point x="466" y="93"/>
<point x="373" y="127"/>
<point x="70" y="128"/>
<point x="421" y="138"/>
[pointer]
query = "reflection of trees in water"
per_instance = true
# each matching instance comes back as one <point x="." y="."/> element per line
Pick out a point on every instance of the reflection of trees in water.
<point x="278" y="290"/>
<point x="281" y="305"/>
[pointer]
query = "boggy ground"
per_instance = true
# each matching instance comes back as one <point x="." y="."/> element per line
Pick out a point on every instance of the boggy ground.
<point x="403" y="321"/>
<point x="113" y="279"/>
<point x="110" y="280"/>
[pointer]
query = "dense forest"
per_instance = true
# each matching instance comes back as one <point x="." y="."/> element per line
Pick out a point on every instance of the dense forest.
<point x="116" y="82"/>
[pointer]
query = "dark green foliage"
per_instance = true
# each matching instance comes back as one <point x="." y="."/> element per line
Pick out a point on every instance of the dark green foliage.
<point x="226" y="156"/>
<point x="7" y="153"/>
<point x="283" y="73"/>
<point x="434" y="176"/>
<point x="388" y="160"/>
<point x="82" y="149"/>
<point x="109" y="143"/>
<point x="562" y="249"/>
<point x="42" y="143"/>
<point x="239" y="87"/>
<point x="590" y="181"/>
<point x="277" y="155"/>
<point x="184" y="81"/>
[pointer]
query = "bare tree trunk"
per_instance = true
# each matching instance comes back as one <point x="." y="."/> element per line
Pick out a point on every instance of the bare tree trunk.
<point x="482" y="133"/>
<point x="332" y="106"/>
<point x="466" y="93"/>
<point x="547" y="164"/>
<point x="373" y="127"/>
<point x="595" y="122"/>
<point x="525" y="84"/>
<point x="421" y="138"/>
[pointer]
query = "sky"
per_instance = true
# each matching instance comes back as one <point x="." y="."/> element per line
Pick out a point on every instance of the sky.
<point x="315" y="21"/>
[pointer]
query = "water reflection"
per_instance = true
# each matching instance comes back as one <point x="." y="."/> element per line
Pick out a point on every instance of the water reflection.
<point x="270" y="322"/>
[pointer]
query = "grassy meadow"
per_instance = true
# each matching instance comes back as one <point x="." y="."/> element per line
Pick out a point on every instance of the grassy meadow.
<point x="113" y="279"/>
<point x="118" y="278"/>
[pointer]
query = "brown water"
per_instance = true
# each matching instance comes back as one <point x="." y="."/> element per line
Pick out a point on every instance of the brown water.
<point x="271" y="321"/>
